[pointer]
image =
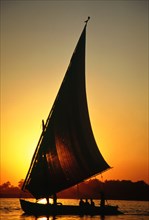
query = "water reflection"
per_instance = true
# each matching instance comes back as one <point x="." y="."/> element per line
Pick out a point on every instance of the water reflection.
<point x="27" y="217"/>
<point x="46" y="218"/>
<point x="70" y="217"/>
<point x="30" y="217"/>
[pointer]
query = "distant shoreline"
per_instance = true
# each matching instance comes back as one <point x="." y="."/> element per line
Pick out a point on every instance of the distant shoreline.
<point x="113" y="189"/>
<point x="74" y="198"/>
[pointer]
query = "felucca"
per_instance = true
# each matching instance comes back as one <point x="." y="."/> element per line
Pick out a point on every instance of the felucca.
<point x="66" y="153"/>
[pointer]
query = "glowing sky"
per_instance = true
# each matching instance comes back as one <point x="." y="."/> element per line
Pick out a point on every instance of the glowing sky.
<point x="37" y="41"/>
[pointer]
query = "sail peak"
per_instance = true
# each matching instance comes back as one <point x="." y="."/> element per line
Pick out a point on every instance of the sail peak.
<point x="87" y="20"/>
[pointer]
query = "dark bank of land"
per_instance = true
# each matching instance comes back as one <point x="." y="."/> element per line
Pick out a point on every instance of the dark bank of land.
<point x="113" y="189"/>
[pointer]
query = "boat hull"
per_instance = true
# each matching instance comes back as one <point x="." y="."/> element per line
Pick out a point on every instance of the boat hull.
<point x="44" y="209"/>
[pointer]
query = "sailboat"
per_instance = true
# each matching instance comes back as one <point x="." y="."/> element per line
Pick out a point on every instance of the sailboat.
<point x="66" y="153"/>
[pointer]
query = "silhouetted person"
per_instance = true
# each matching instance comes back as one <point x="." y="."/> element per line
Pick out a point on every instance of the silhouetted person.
<point x="86" y="203"/>
<point x="54" y="199"/>
<point x="47" y="200"/>
<point x="92" y="203"/>
<point x="102" y="199"/>
<point x="81" y="203"/>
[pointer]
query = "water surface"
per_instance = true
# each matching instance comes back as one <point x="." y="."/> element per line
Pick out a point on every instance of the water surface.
<point x="133" y="210"/>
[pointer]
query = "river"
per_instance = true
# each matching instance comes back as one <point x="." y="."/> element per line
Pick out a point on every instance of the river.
<point x="133" y="210"/>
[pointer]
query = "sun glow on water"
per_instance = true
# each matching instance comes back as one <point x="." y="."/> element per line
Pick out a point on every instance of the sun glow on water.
<point x="45" y="218"/>
<point x="44" y="201"/>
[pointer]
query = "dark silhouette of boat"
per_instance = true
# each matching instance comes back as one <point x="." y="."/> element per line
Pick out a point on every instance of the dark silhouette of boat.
<point x="50" y="209"/>
<point x="66" y="153"/>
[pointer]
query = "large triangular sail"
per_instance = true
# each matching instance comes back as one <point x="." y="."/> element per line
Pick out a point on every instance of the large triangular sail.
<point x="66" y="153"/>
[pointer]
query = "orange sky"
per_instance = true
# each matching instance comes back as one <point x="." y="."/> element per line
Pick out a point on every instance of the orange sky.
<point x="38" y="39"/>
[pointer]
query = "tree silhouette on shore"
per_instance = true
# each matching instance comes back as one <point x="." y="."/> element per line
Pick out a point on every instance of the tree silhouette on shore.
<point x="114" y="189"/>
